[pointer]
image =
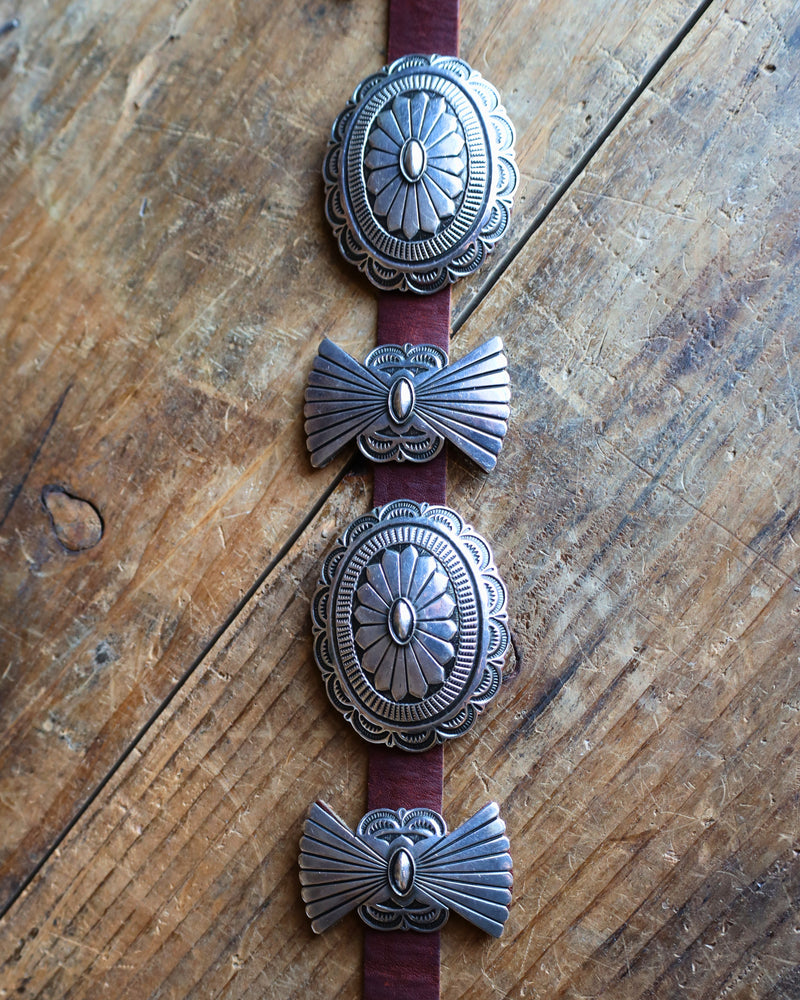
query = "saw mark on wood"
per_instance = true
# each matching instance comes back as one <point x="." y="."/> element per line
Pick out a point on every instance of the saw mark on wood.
<point x="705" y="828"/>
<point x="656" y="480"/>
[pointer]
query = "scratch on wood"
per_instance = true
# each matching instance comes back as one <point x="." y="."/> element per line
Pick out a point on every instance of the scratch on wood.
<point x="34" y="458"/>
<point x="791" y="384"/>
<point x="657" y="481"/>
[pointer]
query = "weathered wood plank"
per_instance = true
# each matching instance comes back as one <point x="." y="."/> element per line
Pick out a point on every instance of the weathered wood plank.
<point x="166" y="278"/>
<point x="644" y="515"/>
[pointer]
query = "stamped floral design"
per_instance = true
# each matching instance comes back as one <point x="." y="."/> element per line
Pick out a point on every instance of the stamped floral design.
<point x="406" y="623"/>
<point x="410" y="625"/>
<point x="416" y="164"/>
<point x="420" y="173"/>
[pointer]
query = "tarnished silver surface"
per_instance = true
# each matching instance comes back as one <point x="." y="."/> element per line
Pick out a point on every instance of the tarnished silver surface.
<point x="403" y="871"/>
<point x="410" y="628"/>
<point x="403" y="402"/>
<point x="420" y="173"/>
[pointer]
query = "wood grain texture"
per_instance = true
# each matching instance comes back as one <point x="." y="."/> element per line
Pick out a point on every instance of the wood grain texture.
<point x="643" y="512"/>
<point x="167" y="275"/>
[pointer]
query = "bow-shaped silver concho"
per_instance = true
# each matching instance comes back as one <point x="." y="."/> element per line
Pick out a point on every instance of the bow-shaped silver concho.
<point x="403" y="402"/>
<point x="404" y="871"/>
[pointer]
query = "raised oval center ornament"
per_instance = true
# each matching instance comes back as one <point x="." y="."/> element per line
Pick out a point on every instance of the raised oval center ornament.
<point x="401" y="872"/>
<point x="420" y="173"/>
<point x="401" y="400"/>
<point x="402" y="621"/>
<point x="412" y="161"/>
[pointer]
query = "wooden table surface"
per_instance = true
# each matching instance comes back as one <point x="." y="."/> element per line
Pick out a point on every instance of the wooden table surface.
<point x="167" y="275"/>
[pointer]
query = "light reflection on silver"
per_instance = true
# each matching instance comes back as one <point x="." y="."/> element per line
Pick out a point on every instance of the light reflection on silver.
<point x="402" y="870"/>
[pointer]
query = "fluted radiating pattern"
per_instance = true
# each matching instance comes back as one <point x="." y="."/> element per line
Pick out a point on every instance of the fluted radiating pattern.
<point x="339" y="871"/>
<point x="415" y="193"/>
<point x="469" y="871"/>
<point x="343" y="399"/>
<point x="466" y="403"/>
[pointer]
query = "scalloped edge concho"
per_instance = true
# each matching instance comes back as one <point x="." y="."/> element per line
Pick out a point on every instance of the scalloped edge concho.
<point x="422" y="207"/>
<point x="410" y="626"/>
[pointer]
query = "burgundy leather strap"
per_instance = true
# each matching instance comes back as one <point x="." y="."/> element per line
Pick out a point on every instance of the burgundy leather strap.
<point x="401" y="965"/>
<point x="418" y="320"/>
<point x="404" y="965"/>
<point x="423" y="26"/>
<point x="400" y="780"/>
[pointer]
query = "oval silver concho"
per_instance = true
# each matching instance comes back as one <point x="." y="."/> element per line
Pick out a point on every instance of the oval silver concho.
<point x="420" y="173"/>
<point x="410" y="627"/>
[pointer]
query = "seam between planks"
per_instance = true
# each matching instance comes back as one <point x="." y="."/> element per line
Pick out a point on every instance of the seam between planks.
<point x="592" y="150"/>
<point x="198" y="660"/>
<point x="458" y="322"/>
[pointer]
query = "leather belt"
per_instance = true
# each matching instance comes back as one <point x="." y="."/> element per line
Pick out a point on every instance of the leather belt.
<point x="405" y="320"/>
<point x="399" y="965"/>
<point x="409" y="621"/>
<point x="423" y="26"/>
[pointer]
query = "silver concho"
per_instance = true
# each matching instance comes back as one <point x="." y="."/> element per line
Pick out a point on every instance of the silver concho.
<point x="420" y="173"/>
<point x="403" y="402"/>
<point x="410" y="627"/>
<point x="402" y="870"/>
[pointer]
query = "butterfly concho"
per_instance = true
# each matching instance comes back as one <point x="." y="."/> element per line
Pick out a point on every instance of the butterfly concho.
<point x="402" y="403"/>
<point x="404" y="871"/>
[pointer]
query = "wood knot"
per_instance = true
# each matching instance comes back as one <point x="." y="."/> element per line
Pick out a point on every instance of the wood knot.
<point x="77" y="523"/>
